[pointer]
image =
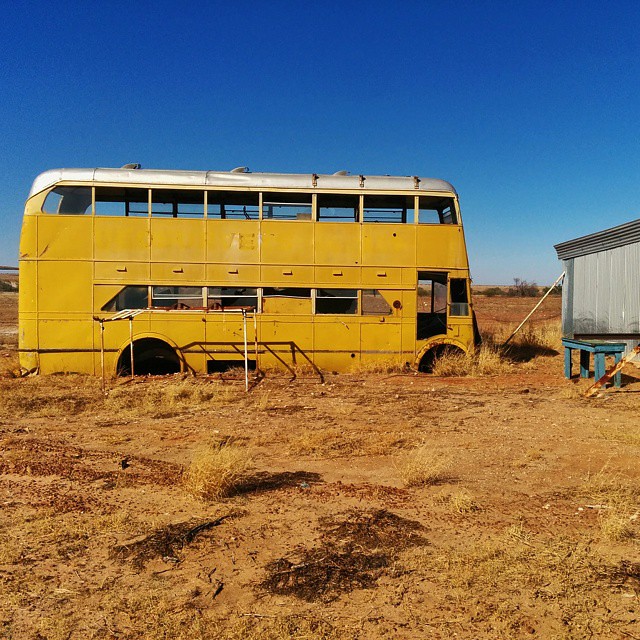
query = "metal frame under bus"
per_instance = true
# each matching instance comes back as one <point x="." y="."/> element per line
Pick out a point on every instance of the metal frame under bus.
<point x="339" y="271"/>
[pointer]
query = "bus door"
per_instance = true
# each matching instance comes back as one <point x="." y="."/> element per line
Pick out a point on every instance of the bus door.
<point x="431" y="305"/>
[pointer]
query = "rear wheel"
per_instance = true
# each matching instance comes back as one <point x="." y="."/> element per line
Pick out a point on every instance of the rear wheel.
<point x="151" y="356"/>
<point x="434" y="354"/>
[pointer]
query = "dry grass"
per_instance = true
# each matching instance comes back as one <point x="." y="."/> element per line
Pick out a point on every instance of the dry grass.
<point x="215" y="472"/>
<point x="381" y="365"/>
<point x="423" y="466"/>
<point x="618" y="499"/>
<point x="485" y="361"/>
<point x="560" y="576"/>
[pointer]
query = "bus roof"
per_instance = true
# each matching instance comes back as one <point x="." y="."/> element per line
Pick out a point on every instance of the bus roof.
<point x="304" y="181"/>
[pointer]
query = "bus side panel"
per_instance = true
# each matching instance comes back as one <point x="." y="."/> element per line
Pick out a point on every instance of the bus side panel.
<point x="233" y="241"/>
<point x="286" y="242"/>
<point x="66" y="345"/>
<point x="28" y="238"/>
<point x="337" y="243"/>
<point x="336" y="342"/>
<point x="224" y="338"/>
<point x="285" y="341"/>
<point x="389" y="245"/>
<point x="63" y="237"/>
<point x="118" y="238"/>
<point x="381" y="341"/>
<point x="65" y="287"/>
<point x="190" y="247"/>
<point x="441" y="247"/>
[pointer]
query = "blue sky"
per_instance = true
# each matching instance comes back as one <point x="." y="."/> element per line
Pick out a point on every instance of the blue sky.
<point x="531" y="109"/>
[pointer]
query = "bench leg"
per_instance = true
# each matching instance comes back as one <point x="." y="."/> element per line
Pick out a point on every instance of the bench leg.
<point x="617" y="379"/>
<point x="584" y="364"/>
<point x="598" y="365"/>
<point x="567" y="363"/>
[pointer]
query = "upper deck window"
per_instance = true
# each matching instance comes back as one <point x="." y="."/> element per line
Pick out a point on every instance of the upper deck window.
<point x="233" y="205"/>
<point x="388" y="209"/>
<point x="338" y="208"/>
<point x="68" y="200"/>
<point x="286" y="206"/>
<point x="115" y="201"/>
<point x="177" y="203"/>
<point x="437" y="210"/>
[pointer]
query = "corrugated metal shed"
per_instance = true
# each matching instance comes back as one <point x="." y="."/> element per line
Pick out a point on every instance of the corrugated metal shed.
<point x="624" y="234"/>
<point x="601" y="292"/>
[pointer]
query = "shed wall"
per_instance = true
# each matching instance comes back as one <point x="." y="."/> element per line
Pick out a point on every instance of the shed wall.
<point x="602" y="293"/>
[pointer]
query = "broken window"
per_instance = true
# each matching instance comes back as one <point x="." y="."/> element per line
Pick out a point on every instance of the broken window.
<point x="373" y="304"/>
<point x="168" y="297"/>
<point x="337" y="301"/>
<point x="436" y="210"/>
<point x="233" y="205"/>
<point x="220" y="298"/>
<point x="177" y="203"/>
<point x="431" y="305"/>
<point x="131" y="297"/>
<point x="68" y="200"/>
<point x="111" y="201"/>
<point x="286" y="206"/>
<point x="459" y="299"/>
<point x="286" y="300"/>
<point x="338" y="208"/>
<point x="285" y="292"/>
<point x="388" y="209"/>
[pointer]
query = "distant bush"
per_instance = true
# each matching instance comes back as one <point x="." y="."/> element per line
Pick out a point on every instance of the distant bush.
<point x="7" y="286"/>
<point x="524" y="289"/>
<point x="494" y="291"/>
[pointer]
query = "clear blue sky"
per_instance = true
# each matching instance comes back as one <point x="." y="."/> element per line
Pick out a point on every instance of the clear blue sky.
<point x="531" y="109"/>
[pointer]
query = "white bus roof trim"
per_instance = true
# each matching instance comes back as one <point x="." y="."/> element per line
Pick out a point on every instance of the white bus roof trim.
<point x="301" y="181"/>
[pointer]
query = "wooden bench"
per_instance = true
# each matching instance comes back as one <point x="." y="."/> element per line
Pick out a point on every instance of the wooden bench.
<point x="600" y="349"/>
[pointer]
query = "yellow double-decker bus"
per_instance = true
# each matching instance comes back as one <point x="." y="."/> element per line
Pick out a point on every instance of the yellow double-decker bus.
<point x="336" y="271"/>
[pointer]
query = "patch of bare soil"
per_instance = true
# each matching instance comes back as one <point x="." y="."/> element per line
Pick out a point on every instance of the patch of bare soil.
<point x="357" y="549"/>
<point x="532" y="532"/>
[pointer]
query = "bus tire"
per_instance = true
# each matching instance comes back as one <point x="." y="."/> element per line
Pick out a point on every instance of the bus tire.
<point x="428" y="360"/>
<point x="151" y="356"/>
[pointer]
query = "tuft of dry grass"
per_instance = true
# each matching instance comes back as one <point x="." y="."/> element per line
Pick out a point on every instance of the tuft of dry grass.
<point x="485" y="361"/>
<point x="215" y="472"/>
<point x="618" y="498"/>
<point x="462" y="502"/>
<point x="423" y="466"/>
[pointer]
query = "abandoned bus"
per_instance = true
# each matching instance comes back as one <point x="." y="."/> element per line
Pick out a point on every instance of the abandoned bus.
<point x="334" y="271"/>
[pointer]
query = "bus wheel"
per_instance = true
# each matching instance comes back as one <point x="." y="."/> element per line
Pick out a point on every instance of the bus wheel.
<point x="433" y="355"/>
<point x="150" y="357"/>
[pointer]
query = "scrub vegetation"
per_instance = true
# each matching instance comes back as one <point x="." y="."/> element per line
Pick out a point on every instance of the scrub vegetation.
<point x="487" y="501"/>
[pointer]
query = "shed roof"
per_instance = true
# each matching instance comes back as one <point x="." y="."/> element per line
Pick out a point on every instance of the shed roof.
<point x="236" y="179"/>
<point x="628" y="233"/>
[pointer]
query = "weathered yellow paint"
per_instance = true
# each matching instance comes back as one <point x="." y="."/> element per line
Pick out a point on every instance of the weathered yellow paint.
<point x="73" y="265"/>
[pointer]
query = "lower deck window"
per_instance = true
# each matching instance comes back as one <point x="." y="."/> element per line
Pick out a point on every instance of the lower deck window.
<point x="131" y="297"/>
<point x="342" y="301"/>
<point x="220" y="298"/>
<point x="176" y="297"/>
<point x="373" y="304"/>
